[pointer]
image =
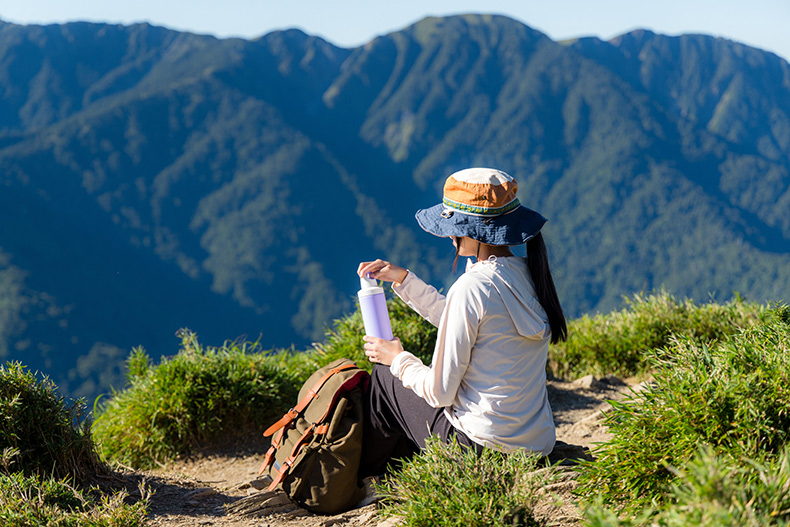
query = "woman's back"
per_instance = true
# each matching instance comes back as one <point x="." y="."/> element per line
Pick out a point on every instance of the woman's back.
<point x="502" y="397"/>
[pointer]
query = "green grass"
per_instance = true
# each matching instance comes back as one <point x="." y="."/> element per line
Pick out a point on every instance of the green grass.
<point x="447" y="485"/>
<point x="48" y="460"/>
<point x="713" y="490"/>
<point x="617" y="343"/>
<point x="732" y="396"/>
<point x="48" y="433"/>
<point x="33" y="501"/>
<point x="201" y="396"/>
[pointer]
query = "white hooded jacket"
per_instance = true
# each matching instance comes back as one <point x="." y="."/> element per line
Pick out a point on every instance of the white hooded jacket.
<point x="489" y="365"/>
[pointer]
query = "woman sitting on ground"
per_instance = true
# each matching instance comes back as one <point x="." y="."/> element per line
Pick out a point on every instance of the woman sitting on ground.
<point x="486" y="384"/>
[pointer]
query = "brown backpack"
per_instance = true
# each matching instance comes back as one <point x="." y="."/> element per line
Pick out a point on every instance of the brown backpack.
<point x="316" y="448"/>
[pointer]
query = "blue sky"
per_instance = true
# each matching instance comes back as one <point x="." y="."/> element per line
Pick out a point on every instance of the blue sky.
<point x="760" y="23"/>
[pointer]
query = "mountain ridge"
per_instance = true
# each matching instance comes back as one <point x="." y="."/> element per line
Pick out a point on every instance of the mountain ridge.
<point x="235" y="184"/>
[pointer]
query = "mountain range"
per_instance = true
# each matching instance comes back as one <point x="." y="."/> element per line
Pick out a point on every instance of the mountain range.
<point x="152" y="179"/>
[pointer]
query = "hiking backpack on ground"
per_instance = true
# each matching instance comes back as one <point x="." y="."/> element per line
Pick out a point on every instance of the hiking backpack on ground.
<point x="316" y="448"/>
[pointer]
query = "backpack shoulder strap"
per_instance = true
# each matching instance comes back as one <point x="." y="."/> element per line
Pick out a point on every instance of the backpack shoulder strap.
<point x="319" y="427"/>
<point x="294" y="412"/>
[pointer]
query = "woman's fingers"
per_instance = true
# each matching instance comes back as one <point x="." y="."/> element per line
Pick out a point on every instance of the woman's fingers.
<point x="382" y="270"/>
<point x="372" y="348"/>
<point x="381" y="350"/>
<point x="371" y="267"/>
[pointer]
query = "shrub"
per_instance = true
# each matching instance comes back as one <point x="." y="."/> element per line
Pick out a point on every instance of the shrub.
<point x="46" y="434"/>
<point x="733" y="396"/>
<point x="448" y="485"/>
<point x="200" y="397"/>
<point x="716" y="490"/>
<point x="45" y="448"/>
<point x="32" y="501"/>
<point x="616" y="343"/>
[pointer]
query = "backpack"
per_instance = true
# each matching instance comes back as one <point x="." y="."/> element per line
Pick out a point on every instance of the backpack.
<point x="315" y="452"/>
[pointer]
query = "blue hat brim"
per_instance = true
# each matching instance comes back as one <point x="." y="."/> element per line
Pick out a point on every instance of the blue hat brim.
<point x="514" y="228"/>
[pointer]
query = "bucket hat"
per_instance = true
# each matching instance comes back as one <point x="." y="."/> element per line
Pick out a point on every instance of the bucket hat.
<point x="481" y="203"/>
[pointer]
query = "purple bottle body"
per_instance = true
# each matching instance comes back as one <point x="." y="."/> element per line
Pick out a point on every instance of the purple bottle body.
<point x="373" y="305"/>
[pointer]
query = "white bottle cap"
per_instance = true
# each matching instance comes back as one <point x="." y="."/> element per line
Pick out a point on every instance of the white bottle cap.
<point x="369" y="286"/>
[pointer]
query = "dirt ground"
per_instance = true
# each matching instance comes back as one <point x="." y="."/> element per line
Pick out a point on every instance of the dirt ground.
<point x="205" y="489"/>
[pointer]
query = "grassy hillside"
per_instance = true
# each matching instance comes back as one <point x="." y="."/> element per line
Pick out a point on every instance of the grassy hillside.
<point x="707" y="440"/>
<point x="197" y="396"/>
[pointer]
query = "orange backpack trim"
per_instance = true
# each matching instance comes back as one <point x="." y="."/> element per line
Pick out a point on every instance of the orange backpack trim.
<point x="316" y="428"/>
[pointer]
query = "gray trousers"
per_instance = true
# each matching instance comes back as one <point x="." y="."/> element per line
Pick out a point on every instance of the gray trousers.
<point x="398" y="422"/>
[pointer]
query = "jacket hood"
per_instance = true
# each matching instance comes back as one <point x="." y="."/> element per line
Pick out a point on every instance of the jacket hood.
<point x="512" y="281"/>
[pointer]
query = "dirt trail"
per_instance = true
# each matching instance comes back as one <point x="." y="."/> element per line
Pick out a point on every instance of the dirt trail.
<point x="196" y="491"/>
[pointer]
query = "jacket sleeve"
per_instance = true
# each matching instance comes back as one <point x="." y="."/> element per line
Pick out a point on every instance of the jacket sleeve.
<point x="421" y="297"/>
<point x="458" y="325"/>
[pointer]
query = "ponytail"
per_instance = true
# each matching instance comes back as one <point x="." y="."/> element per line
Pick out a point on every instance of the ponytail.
<point x="457" y="241"/>
<point x="538" y="265"/>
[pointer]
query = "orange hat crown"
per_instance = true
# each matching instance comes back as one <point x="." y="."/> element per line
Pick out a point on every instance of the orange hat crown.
<point x="481" y="192"/>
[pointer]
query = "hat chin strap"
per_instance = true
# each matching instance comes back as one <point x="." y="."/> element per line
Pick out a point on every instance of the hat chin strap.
<point x="492" y="250"/>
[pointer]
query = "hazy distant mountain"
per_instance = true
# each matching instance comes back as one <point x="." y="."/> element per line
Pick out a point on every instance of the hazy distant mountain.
<point x="151" y="179"/>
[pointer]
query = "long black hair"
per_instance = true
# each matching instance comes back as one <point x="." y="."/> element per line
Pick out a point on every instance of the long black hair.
<point x="538" y="265"/>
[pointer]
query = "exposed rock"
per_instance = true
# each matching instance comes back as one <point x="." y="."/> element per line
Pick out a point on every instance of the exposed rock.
<point x="588" y="382"/>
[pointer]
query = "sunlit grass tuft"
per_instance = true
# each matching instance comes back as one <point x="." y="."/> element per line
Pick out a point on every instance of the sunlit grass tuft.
<point x="27" y="501"/>
<point x="42" y="432"/>
<point x="199" y="397"/>
<point x="731" y="397"/>
<point x="617" y="343"/>
<point x="447" y="485"/>
<point x="713" y="490"/>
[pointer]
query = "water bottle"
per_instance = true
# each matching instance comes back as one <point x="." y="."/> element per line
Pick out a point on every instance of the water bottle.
<point x="374" y="309"/>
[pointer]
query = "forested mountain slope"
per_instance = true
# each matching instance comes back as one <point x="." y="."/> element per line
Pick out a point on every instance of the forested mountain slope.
<point x="151" y="179"/>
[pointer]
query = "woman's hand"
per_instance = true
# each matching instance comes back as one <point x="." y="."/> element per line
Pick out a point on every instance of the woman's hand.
<point x="382" y="351"/>
<point x="381" y="270"/>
